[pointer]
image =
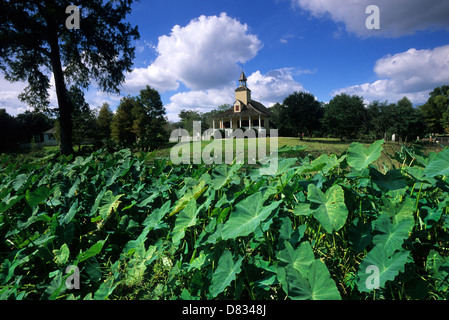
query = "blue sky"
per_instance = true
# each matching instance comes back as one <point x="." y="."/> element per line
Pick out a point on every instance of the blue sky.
<point x="191" y="51"/>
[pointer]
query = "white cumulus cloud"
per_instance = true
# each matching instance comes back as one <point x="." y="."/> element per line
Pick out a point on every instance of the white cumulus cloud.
<point x="413" y="73"/>
<point x="397" y="17"/>
<point x="201" y="100"/>
<point x="274" y="86"/>
<point x="201" y="55"/>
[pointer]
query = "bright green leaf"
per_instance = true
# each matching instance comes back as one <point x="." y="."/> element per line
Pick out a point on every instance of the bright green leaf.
<point x="300" y="259"/>
<point x="223" y="174"/>
<point x="62" y="255"/>
<point x="92" y="251"/>
<point x="185" y="219"/>
<point x="330" y="209"/>
<point x="391" y="235"/>
<point x="226" y="272"/>
<point x="439" y="165"/>
<point x="360" y="157"/>
<point x="190" y="194"/>
<point x="247" y="216"/>
<point x="108" y="204"/>
<point x="318" y="285"/>
<point x="388" y="267"/>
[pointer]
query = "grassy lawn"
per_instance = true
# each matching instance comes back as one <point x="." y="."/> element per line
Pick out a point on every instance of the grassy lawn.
<point x="315" y="147"/>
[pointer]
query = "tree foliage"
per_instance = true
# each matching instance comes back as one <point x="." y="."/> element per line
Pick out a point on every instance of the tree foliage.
<point x="299" y="113"/>
<point x="83" y="118"/>
<point x="36" y="43"/>
<point x="104" y="121"/>
<point x="345" y="116"/>
<point x="122" y="124"/>
<point x="399" y="118"/>
<point x="436" y="110"/>
<point x="140" y="120"/>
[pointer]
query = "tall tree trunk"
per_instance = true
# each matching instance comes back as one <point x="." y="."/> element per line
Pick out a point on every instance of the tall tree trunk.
<point x="65" y="107"/>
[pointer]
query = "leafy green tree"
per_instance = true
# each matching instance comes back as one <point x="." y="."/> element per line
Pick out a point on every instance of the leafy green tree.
<point x="122" y="130"/>
<point x="436" y="110"/>
<point x="406" y="119"/>
<point x="83" y="118"/>
<point x="276" y="120"/>
<point x="299" y="113"/>
<point x="395" y="118"/>
<point x="376" y="127"/>
<point x="140" y="120"/>
<point x="149" y="119"/>
<point x="36" y="44"/>
<point x="188" y="117"/>
<point x="345" y="116"/>
<point x="104" y="121"/>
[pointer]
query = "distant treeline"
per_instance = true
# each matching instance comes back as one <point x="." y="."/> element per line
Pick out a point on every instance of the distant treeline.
<point x="140" y="121"/>
<point x="347" y="117"/>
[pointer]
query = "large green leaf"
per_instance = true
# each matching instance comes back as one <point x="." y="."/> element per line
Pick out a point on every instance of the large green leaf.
<point x="66" y="218"/>
<point x="318" y="285"/>
<point x="392" y="180"/>
<point x="92" y="251"/>
<point x="439" y="165"/>
<point x="225" y="273"/>
<point x="154" y="219"/>
<point x="391" y="235"/>
<point x="360" y="157"/>
<point x="329" y="209"/>
<point x="20" y="180"/>
<point x="300" y="259"/>
<point x="274" y="166"/>
<point x="109" y="203"/>
<point x="190" y="194"/>
<point x="37" y="196"/>
<point x="324" y="163"/>
<point x="223" y="174"/>
<point x="247" y="216"/>
<point x="8" y="202"/>
<point x="185" y="219"/>
<point x="388" y="267"/>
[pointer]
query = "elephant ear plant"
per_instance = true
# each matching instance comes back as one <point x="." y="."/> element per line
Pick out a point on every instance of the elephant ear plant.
<point x="134" y="227"/>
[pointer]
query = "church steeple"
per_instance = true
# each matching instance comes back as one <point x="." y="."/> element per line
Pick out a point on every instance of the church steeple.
<point x="242" y="93"/>
<point x="242" y="79"/>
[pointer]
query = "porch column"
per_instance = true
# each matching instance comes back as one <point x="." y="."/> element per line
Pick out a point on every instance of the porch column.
<point x="260" y="123"/>
<point x="230" y="122"/>
<point x="240" y="121"/>
<point x="213" y="124"/>
<point x="249" y="121"/>
<point x="222" y="124"/>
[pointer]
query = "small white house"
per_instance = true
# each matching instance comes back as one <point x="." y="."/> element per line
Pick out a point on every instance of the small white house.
<point x="49" y="138"/>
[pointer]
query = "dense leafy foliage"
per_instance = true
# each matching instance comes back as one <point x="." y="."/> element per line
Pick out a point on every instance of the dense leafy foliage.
<point x="314" y="229"/>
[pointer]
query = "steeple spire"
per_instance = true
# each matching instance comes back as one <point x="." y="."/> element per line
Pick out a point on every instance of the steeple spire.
<point x="242" y="93"/>
<point x="242" y="79"/>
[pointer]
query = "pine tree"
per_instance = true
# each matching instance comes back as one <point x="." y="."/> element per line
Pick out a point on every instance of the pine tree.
<point x="104" y="121"/>
<point x="122" y="130"/>
<point x="149" y="121"/>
